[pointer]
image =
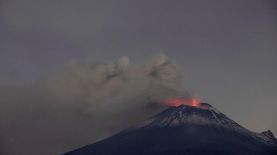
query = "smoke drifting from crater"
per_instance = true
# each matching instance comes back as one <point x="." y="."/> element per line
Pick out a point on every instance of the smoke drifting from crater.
<point x="100" y="83"/>
<point x="84" y="102"/>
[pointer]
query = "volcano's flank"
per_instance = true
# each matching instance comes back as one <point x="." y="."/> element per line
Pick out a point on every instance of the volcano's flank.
<point x="185" y="129"/>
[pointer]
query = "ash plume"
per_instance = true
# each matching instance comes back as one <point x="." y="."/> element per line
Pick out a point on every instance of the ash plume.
<point x="82" y="103"/>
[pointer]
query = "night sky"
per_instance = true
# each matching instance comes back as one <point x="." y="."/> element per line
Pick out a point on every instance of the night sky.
<point x="226" y="50"/>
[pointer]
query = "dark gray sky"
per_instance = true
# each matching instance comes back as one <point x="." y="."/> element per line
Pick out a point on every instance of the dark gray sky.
<point x="226" y="49"/>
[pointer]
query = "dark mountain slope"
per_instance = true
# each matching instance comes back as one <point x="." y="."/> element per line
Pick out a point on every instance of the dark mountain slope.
<point x="185" y="130"/>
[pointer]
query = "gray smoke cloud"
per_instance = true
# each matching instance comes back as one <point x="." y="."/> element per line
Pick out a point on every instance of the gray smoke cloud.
<point x="82" y="103"/>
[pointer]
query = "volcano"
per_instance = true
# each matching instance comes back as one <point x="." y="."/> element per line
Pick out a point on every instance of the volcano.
<point x="185" y="130"/>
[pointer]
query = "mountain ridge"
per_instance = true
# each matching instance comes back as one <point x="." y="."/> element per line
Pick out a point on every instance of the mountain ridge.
<point x="185" y="130"/>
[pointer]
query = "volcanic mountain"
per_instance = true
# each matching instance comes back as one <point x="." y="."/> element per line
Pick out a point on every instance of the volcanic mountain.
<point x="185" y="130"/>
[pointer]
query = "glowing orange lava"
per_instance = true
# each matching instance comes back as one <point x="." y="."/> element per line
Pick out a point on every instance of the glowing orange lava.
<point x="182" y="101"/>
<point x="194" y="102"/>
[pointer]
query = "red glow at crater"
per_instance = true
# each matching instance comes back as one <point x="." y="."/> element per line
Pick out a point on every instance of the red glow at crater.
<point x="182" y="101"/>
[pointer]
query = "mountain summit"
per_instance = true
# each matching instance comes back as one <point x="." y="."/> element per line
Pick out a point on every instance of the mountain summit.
<point x="185" y="130"/>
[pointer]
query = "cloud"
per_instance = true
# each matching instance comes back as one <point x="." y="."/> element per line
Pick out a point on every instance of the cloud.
<point x="84" y="102"/>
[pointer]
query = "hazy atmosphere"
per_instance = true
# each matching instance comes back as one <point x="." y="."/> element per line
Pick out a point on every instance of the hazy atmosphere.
<point x="74" y="72"/>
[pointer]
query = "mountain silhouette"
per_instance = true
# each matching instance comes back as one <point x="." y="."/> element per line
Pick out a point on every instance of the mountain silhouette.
<point x="185" y="130"/>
